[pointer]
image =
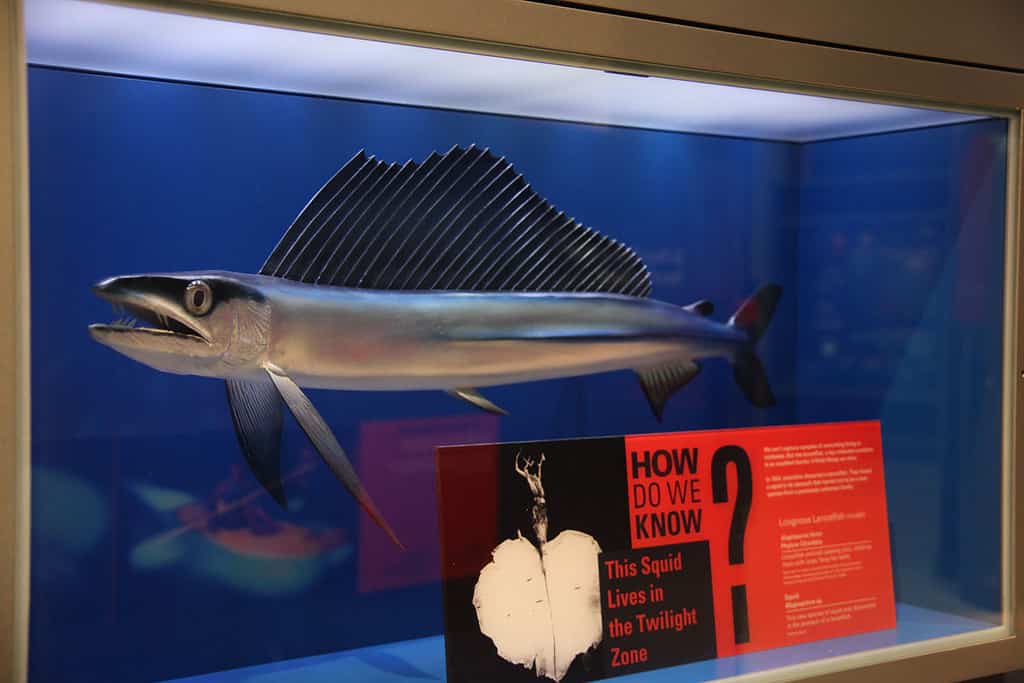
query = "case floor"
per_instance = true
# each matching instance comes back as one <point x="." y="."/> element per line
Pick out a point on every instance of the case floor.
<point x="423" y="659"/>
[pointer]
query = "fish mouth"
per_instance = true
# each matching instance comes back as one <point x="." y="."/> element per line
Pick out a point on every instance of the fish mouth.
<point x="139" y="316"/>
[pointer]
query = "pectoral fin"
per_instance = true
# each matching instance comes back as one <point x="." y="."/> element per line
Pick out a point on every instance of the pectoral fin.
<point x="328" y="447"/>
<point x="256" y="413"/>
<point x="474" y="397"/>
<point x="661" y="381"/>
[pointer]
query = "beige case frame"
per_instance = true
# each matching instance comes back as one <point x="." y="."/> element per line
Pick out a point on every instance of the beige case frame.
<point x="980" y="32"/>
<point x="562" y="34"/>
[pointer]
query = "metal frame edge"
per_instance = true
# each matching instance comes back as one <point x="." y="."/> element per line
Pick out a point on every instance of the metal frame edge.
<point x="14" y="348"/>
<point x="512" y="28"/>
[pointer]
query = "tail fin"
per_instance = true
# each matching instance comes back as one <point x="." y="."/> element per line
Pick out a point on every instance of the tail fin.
<point x="756" y="312"/>
<point x="753" y="317"/>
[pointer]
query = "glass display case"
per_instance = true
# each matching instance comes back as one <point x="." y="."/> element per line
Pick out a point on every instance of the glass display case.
<point x="184" y="163"/>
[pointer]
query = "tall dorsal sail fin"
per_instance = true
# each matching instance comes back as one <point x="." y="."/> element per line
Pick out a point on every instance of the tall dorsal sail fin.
<point x="465" y="220"/>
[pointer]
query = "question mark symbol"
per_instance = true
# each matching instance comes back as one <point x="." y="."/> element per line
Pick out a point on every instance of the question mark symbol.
<point x="738" y="528"/>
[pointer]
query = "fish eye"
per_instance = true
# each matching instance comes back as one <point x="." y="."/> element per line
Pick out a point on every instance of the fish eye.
<point x="198" y="298"/>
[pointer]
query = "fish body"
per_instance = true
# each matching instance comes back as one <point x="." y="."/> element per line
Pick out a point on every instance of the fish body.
<point x="447" y="275"/>
<point x="343" y="338"/>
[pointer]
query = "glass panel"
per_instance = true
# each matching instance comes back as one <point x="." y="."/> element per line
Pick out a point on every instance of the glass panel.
<point x="156" y="555"/>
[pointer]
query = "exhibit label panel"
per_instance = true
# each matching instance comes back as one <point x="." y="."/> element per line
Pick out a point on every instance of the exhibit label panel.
<point x="588" y="558"/>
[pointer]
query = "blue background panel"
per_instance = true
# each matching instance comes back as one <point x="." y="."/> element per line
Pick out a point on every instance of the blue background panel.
<point x="889" y="249"/>
<point x="901" y="269"/>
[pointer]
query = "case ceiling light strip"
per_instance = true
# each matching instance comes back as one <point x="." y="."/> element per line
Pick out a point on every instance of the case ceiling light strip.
<point x="126" y="40"/>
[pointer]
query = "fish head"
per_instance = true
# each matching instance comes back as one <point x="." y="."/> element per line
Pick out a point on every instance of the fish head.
<point x="214" y="324"/>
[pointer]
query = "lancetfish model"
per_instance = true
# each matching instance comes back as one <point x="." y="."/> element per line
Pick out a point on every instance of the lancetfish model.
<point x="450" y="274"/>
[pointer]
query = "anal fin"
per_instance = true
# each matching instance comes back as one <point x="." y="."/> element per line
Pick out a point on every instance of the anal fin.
<point x="661" y="381"/>
<point x="477" y="399"/>
<point x="328" y="447"/>
<point x="256" y="414"/>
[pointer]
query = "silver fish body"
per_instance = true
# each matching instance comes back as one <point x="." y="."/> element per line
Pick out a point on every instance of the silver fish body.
<point x="448" y="274"/>
<point x="339" y="338"/>
<point x="369" y="340"/>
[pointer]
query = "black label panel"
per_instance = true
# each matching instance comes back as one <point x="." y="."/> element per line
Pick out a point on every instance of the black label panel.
<point x="657" y="607"/>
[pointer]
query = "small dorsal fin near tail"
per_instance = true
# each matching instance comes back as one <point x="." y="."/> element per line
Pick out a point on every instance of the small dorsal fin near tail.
<point x="702" y="307"/>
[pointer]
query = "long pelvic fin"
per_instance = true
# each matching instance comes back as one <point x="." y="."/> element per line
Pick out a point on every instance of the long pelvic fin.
<point x="328" y="447"/>
<point x="256" y="414"/>
<point x="465" y="220"/>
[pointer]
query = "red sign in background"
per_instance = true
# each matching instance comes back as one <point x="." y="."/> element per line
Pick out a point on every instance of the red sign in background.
<point x="394" y="465"/>
<point x="796" y="522"/>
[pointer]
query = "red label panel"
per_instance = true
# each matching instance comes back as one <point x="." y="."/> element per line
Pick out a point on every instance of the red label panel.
<point x="393" y="466"/>
<point x="796" y="521"/>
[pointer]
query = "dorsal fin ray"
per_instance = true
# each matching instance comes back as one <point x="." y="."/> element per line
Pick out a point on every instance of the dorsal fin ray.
<point x="424" y="256"/>
<point x="342" y="223"/>
<point x="455" y="253"/>
<point x="465" y="220"/>
<point x="327" y="194"/>
<point x="346" y="252"/>
<point x="399" y="231"/>
<point x="420" y="220"/>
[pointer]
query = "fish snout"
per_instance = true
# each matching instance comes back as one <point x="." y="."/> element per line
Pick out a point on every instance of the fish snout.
<point x="109" y="287"/>
<point x="103" y="285"/>
<point x="134" y="288"/>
